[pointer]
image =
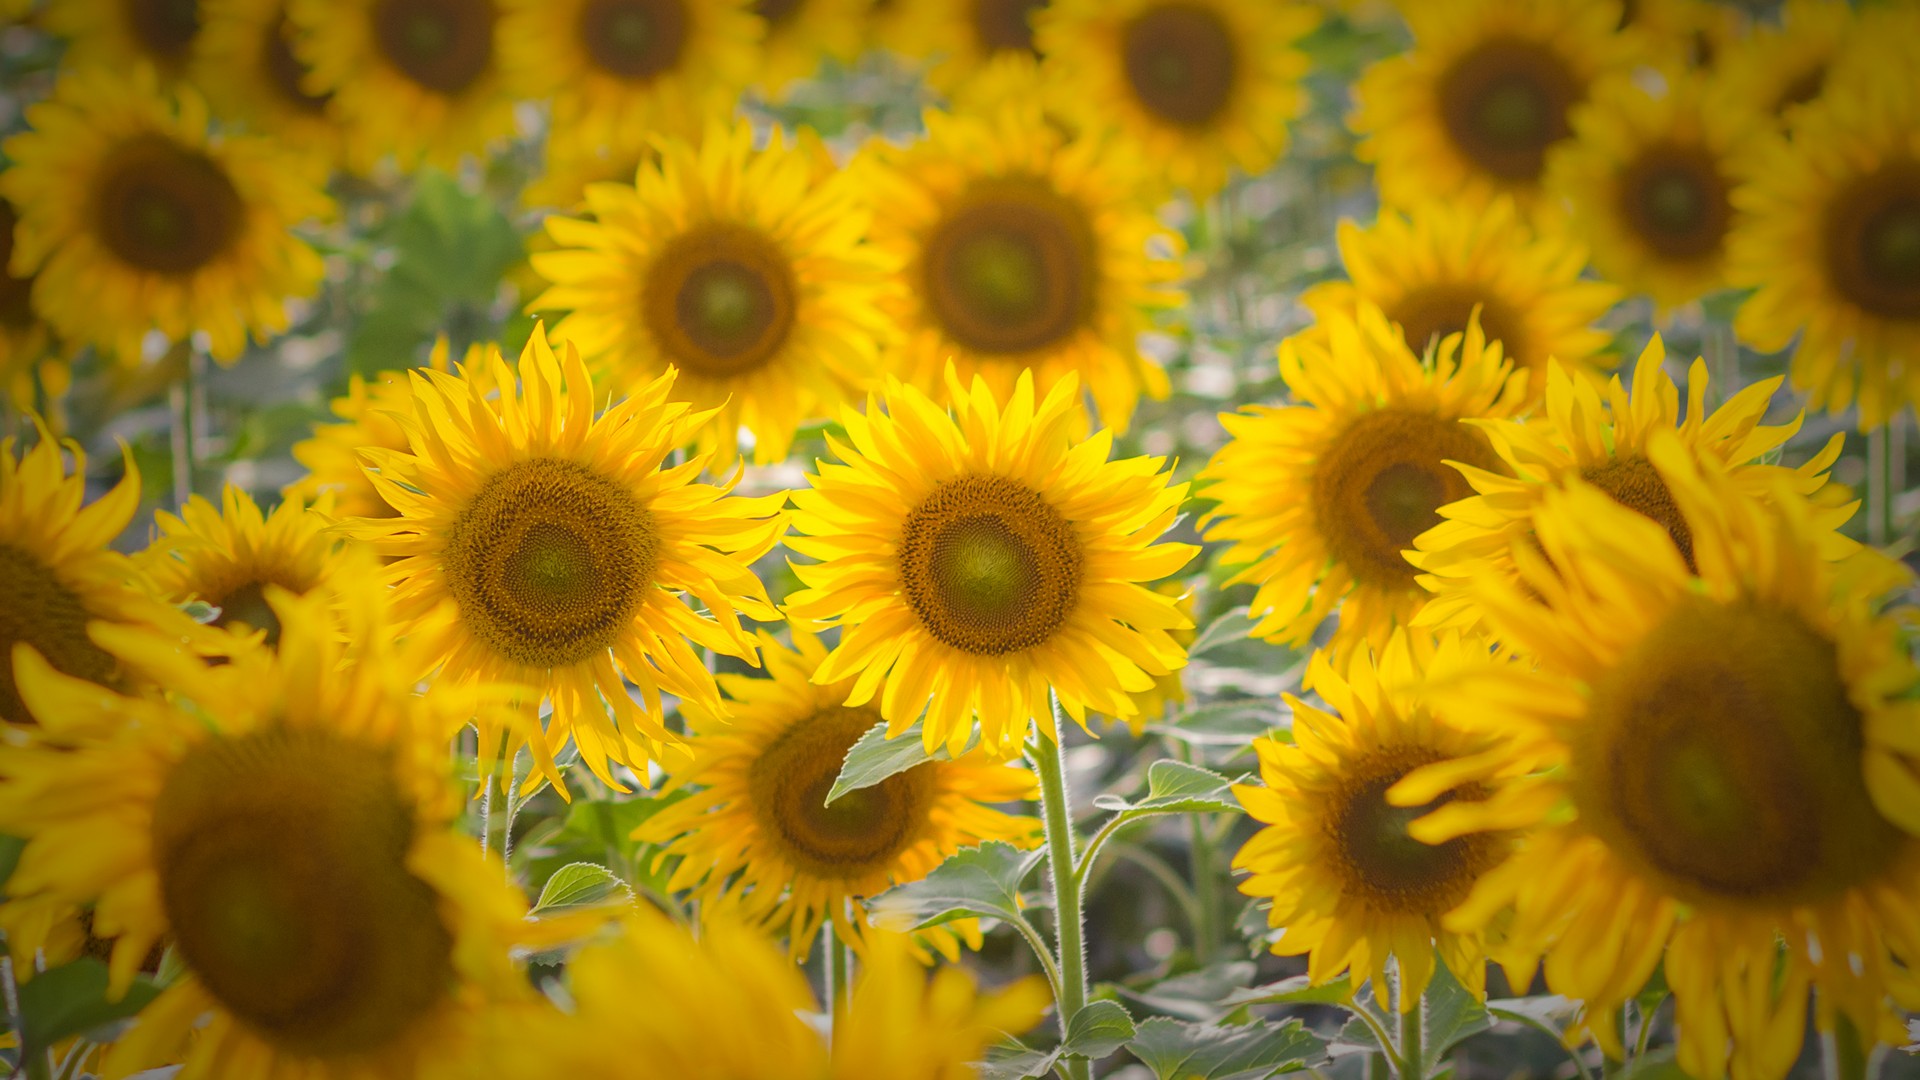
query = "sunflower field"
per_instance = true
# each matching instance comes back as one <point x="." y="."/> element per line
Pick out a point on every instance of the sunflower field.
<point x="935" y="539"/>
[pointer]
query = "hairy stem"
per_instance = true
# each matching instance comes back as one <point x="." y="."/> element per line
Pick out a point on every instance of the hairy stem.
<point x="1049" y="761"/>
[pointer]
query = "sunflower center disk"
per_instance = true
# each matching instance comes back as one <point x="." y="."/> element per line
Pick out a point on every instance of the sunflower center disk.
<point x="1384" y="865"/>
<point x="1180" y="62"/>
<point x="720" y="301"/>
<point x="164" y="208"/>
<point x="989" y="566"/>
<point x="1873" y="241"/>
<point x="1803" y="89"/>
<point x="1676" y="202"/>
<point x="37" y="609"/>
<point x="550" y="561"/>
<point x="1723" y="755"/>
<point x="1432" y="312"/>
<point x="1382" y="482"/>
<point x="634" y="39"/>
<point x="165" y="28"/>
<point x="285" y="70"/>
<point x="1504" y="102"/>
<point x="247" y="605"/>
<point x="282" y="865"/>
<point x="1005" y="25"/>
<point x="1634" y="483"/>
<point x="1010" y="271"/>
<point x="863" y="830"/>
<point x="443" y="45"/>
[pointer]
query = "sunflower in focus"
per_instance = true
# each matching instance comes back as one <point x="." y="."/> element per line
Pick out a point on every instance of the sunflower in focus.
<point x="1022" y="251"/>
<point x="742" y="269"/>
<point x="1472" y="111"/>
<point x="976" y="562"/>
<point x="246" y="64"/>
<point x="119" y="35"/>
<point x="1831" y="241"/>
<point x="801" y="34"/>
<point x="1778" y="68"/>
<point x="760" y="840"/>
<point x="1320" y="499"/>
<point x="133" y="219"/>
<point x="1345" y="879"/>
<point x="1603" y="442"/>
<point x="1730" y="770"/>
<point x="541" y="545"/>
<point x="1201" y="86"/>
<point x="1429" y="271"/>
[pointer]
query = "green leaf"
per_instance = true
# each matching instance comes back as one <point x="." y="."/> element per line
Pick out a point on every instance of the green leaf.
<point x="581" y="884"/>
<point x="1195" y="995"/>
<point x="1654" y="1065"/>
<point x="982" y="880"/>
<point x="1223" y="723"/>
<point x="1097" y="1030"/>
<point x="1014" y="1060"/>
<point x="1452" y="1013"/>
<point x="1175" y="787"/>
<point x="1295" y="991"/>
<point x="72" y="1000"/>
<point x="875" y="757"/>
<point x="1176" y="1050"/>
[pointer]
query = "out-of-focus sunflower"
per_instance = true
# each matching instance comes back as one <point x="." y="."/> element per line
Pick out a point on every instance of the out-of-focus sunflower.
<point x="1430" y="269"/>
<point x="25" y="345"/>
<point x="1472" y="111"/>
<point x="118" y="35"/>
<point x="1728" y="771"/>
<point x="801" y="34"/>
<point x="1320" y="499"/>
<point x="759" y="840"/>
<point x="134" y="219"/>
<point x="542" y="545"/>
<point x="964" y="40"/>
<point x="616" y="68"/>
<point x="1201" y="86"/>
<point x="1831" y="241"/>
<point x="417" y="79"/>
<point x="1603" y="442"/>
<point x="1778" y="68"/>
<point x="974" y="562"/>
<point x="902" y="1020"/>
<point x="744" y="269"/>
<point x="246" y="65"/>
<point x="1346" y="881"/>
<point x="1689" y="34"/>
<point x="570" y="164"/>
<point x="1022" y="251"/>
<point x="1649" y="179"/>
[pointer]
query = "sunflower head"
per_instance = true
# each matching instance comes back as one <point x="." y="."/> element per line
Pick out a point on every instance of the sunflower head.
<point x="245" y="61"/>
<point x="121" y="34"/>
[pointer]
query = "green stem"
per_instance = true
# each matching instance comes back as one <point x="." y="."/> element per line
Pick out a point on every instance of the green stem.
<point x="1843" y="1054"/>
<point x="1039" y="946"/>
<point x="1206" y="885"/>
<point x="486" y="814"/>
<point x="839" y="962"/>
<point x="1413" y="1064"/>
<point x="1879" y="499"/>
<point x="1049" y="761"/>
<point x="1377" y="1067"/>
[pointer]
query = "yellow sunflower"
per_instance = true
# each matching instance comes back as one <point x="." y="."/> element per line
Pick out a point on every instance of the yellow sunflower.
<point x="26" y="354"/>
<point x="539" y="544"/>
<point x="1168" y="691"/>
<point x="1778" y="68"/>
<point x="978" y="560"/>
<point x="1345" y="880"/>
<point x="1649" y="179"/>
<point x="1831" y="241"/>
<point x="1472" y="111"/>
<point x="618" y="67"/>
<point x="411" y="78"/>
<point x="759" y="839"/>
<point x="1690" y="34"/>
<point x="1430" y="269"/>
<point x="285" y="821"/>
<point x="743" y="269"/>
<point x="569" y="164"/>
<point x="246" y="65"/>
<point x="802" y="33"/>
<point x="135" y="220"/>
<point x="964" y="39"/>
<point x="1731" y="756"/>
<point x="903" y="1021"/>
<point x="1603" y="441"/>
<point x="1320" y="499"/>
<point x="1022" y="251"/>
<point x="119" y="35"/>
<point x="1201" y="86"/>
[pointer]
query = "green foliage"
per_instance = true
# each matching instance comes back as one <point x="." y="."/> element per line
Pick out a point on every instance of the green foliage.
<point x="72" y="1000"/>
<point x="1175" y="787"/>
<point x="581" y="885"/>
<point x="982" y="880"/>
<point x="875" y="757"/>
<point x="1176" y="1050"/>
<point x="1098" y="1030"/>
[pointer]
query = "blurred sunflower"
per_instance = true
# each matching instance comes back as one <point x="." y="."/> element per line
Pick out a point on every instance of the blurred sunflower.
<point x="1346" y="881"/>
<point x="246" y="65"/>
<point x="541" y="545"/>
<point x="1778" y="68"/>
<point x="119" y="35"/>
<point x="1430" y="269"/>
<point x="1022" y="250"/>
<point x="135" y="220"/>
<point x="1472" y="111"/>
<point x="1694" y="35"/>
<point x="742" y="269"/>
<point x="966" y="39"/>
<point x="978" y="562"/>
<point x="759" y="839"/>
<point x="569" y="164"/>
<point x="1730" y="774"/>
<point x="26" y="353"/>
<point x="1320" y="499"/>
<point x="902" y="1020"/>
<point x="801" y="34"/>
<point x="1200" y="86"/>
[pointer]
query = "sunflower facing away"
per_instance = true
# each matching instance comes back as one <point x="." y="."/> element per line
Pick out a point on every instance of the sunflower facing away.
<point x="1022" y="250"/>
<point x="134" y="219"/>
<point x="1201" y="86"/>
<point x="1603" y="441"/>
<point x="118" y="35"/>
<point x="1345" y="879"/>
<point x="743" y="269"/>
<point x="1429" y="269"/>
<point x="246" y="65"/>
<point x="975" y="561"/>
<point x="1320" y="499"/>
<point x="541" y="545"/>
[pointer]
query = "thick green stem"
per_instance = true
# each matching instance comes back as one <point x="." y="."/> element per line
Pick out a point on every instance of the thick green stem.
<point x="836" y="963"/>
<point x="1206" y="885"/>
<point x="1049" y="761"/>
<point x="1413" y="1063"/>
<point x="1843" y="1054"/>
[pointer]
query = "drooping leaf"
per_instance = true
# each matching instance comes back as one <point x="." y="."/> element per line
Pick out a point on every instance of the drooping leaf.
<point x="982" y="880"/>
<point x="1195" y="995"/>
<point x="1176" y="1050"/>
<point x="578" y="885"/>
<point x="875" y="757"/>
<point x="1014" y="1060"/>
<point x="1097" y="1030"/>
<point x="72" y="1000"/>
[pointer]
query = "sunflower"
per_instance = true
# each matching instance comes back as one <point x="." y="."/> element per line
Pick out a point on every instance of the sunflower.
<point x="985" y="559"/>
<point x="541" y="545"/>
<point x="1780" y="68"/>
<point x="964" y="39"/>
<point x="743" y="269"/>
<point x="1319" y="499"/>
<point x="618" y="67"/>
<point x="134" y="219"/>
<point x="569" y="164"/>
<point x="1831" y="241"/>
<point x="1472" y="111"/>
<point x="802" y="33"/>
<point x="411" y="78"/>
<point x="1346" y="881"/>
<point x="1649" y="179"/>
<point x="1022" y="251"/>
<point x="246" y="65"/>
<point x="1202" y="86"/>
<point x="1429" y="269"/>
<point x="285" y="821"/>
<point x="1689" y="34"/>
<point x="759" y="839"/>
<point x="119" y="35"/>
<point x="1168" y="691"/>
<point x="25" y="349"/>
<point x="1603" y="442"/>
<point x="903" y="1021"/>
<point x="1730" y="769"/>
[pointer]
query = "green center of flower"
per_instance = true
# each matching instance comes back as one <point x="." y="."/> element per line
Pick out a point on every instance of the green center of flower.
<point x="857" y="834"/>
<point x="1011" y="269"/>
<point x="164" y="208"/>
<point x="634" y="39"/>
<point x="164" y="28"/>
<point x="1180" y="62"/>
<point x="1381" y="483"/>
<point x="1380" y="862"/>
<point x="1504" y="102"/>
<point x="989" y="566"/>
<point x="721" y="300"/>
<point x="443" y="45"/>
<point x="37" y="609"/>
<point x="1675" y="201"/>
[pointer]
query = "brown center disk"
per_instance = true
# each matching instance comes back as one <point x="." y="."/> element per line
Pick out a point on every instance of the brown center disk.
<point x="1005" y="25"/>
<point x="1872" y="234"/>
<point x="1429" y="313"/>
<point x="37" y="609"/>
<point x="1180" y="62"/>
<point x="164" y="208"/>
<point x="1675" y="201"/>
<point x="634" y="39"/>
<point x="862" y="831"/>
<point x="989" y="566"/>
<point x="1504" y="102"/>
<point x="1383" y="865"/>
<point x="1011" y="268"/>
<point x="443" y="45"/>
<point x="720" y="300"/>
<point x="164" y="28"/>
